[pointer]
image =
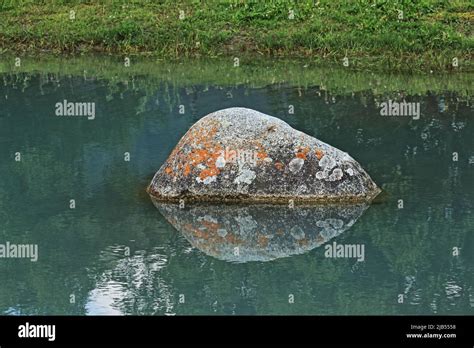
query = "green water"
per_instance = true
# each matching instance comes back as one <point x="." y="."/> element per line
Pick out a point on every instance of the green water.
<point x="115" y="253"/>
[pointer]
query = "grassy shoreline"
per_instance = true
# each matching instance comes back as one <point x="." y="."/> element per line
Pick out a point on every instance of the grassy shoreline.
<point x="253" y="73"/>
<point x="375" y="35"/>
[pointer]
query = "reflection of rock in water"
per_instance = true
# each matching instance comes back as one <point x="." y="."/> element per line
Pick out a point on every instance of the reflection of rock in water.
<point x="259" y="232"/>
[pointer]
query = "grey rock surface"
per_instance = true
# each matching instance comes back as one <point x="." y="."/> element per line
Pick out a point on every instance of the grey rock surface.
<point x="239" y="154"/>
<point x="259" y="232"/>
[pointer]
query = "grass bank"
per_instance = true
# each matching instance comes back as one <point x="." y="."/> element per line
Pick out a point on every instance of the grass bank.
<point x="254" y="73"/>
<point x="380" y="35"/>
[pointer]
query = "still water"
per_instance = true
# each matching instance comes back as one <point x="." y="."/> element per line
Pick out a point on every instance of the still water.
<point x="111" y="251"/>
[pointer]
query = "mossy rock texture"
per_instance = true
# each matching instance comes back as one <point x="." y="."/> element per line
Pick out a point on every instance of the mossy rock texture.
<point x="242" y="155"/>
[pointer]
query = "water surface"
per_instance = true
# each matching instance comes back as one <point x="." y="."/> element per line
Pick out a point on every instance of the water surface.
<point x="115" y="253"/>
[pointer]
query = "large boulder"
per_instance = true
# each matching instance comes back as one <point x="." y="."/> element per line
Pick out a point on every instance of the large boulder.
<point x="239" y="154"/>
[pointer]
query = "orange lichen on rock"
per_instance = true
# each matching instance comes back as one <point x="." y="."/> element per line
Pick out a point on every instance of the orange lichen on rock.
<point x="231" y="238"/>
<point x="262" y="241"/>
<point x="303" y="242"/>
<point x="320" y="239"/>
<point x="187" y="169"/>
<point x="198" y="156"/>
<point x="211" y="227"/>
<point x="205" y="154"/>
<point x="168" y="170"/>
<point x="195" y="231"/>
<point x="319" y="154"/>
<point x="301" y="155"/>
<point x="302" y="152"/>
<point x="211" y="169"/>
<point x="260" y="152"/>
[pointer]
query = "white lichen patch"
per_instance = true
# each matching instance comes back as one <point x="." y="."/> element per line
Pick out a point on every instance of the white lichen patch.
<point x="350" y="171"/>
<point x="331" y="227"/>
<point x="222" y="232"/>
<point x="296" y="164"/>
<point x="167" y="189"/>
<point x="246" y="176"/>
<point x="207" y="218"/>
<point x="220" y="162"/>
<point x="207" y="180"/>
<point x="327" y="163"/>
<point x="246" y="224"/>
<point x="225" y="124"/>
<point x="321" y="175"/>
<point x="301" y="189"/>
<point x="336" y="223"/>
<point x="297" y="233"/>
<point x="336" y="175"/>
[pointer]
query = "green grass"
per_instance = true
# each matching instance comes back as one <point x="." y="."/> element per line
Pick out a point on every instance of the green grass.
<point x="369" y="33"/>
<point x="252" y="72"/>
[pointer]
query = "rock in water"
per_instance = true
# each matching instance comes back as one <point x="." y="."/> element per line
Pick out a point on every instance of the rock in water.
<point x="240" y="155"/>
